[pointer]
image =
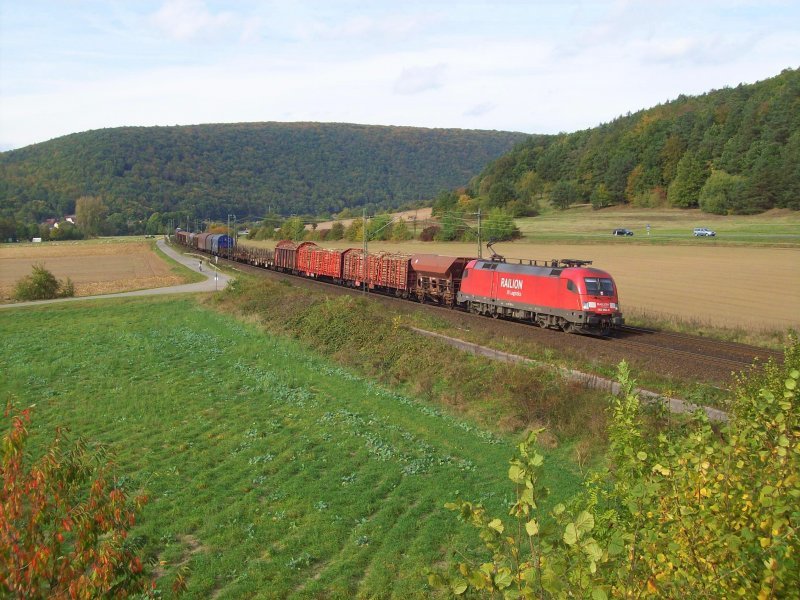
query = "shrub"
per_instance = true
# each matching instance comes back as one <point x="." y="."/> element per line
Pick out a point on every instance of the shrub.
<point x="429" y="233"/>
<point x="41" y="284"/>
<point x="691" y="511"/>
<point x="63" y="522"/>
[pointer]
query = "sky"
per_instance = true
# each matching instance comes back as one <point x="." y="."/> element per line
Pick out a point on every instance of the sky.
<point x="535" y="66"/>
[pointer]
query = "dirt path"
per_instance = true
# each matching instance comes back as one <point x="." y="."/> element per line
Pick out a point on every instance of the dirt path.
<point x="215" y="280"/>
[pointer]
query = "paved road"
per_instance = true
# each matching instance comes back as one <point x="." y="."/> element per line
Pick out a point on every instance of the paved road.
<point x="191" y="262"/>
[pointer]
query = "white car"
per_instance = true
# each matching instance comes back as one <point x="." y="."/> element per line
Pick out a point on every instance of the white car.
<point x="703" y="232"/>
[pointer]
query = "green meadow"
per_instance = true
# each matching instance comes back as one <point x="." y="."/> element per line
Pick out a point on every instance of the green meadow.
<point x="272" y="472"/>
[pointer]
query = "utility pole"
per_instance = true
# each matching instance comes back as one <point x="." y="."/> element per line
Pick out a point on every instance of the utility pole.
<point x="480" y="252"/>
<point x="366" y="251"/>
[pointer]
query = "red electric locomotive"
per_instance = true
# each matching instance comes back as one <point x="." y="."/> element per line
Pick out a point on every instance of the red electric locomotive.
<point x="565" y="295"/>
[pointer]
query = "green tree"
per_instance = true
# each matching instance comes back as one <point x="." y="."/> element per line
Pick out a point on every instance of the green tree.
<point x="65" y="231"/>
<point x="601" y="197"/>
<point x="401" y="232"/>
<point x="499" y="226"/>
<point x="355" y="231"/>
<point x="337" y="231"/>
<point x="292" y="229"/>
<point x="501" y="193"/>
<point x="453" y="225"/>
<point x="154" y="225"/>
<point x="380" y="228"/>
<point x="90" y="213"/>
<point x="564" y="193"/>
<point x="684" y="191"/>
<point x="723" y="193"/>
<point x="671" y="155"/>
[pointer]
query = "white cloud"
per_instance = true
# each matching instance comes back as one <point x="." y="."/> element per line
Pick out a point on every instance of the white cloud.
<point x="189" y="19"/>
<point x="420" y="79"/>
<point x="537" y="66"/>
<point x="480" y="110"/>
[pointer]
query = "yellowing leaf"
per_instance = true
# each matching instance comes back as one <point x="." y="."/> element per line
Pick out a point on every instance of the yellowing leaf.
<point x="516" y="474"/>
<point x="497" y="525"/>
<point x="570" y="534"/>
<point x="459" y="586"/>
<point x="584" y="523"/>
<point x="532" y="527"/>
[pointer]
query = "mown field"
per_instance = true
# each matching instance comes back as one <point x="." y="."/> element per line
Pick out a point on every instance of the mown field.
<point x="103" y="266"/>
<point x="272" y="472"/>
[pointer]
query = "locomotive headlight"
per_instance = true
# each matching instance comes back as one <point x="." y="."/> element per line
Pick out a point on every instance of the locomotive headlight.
<point x="614" y="306"/>
<point x="588" y="305"/>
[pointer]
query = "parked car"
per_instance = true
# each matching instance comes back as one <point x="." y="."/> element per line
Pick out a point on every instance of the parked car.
<point x="703" y="232"/>
<point x="622" y="232"/>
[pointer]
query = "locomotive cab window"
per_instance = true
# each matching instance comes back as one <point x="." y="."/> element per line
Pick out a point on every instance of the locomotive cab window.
<point x="599" y="286"/>
<point x="571" y="286"/>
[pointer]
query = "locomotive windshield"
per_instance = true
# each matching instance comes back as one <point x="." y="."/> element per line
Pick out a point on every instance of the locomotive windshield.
<point x="597" y="286"/>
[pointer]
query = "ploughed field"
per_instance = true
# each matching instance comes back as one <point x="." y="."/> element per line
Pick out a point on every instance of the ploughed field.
<point x="97" y="267"/>
<point x="271" y="471"/>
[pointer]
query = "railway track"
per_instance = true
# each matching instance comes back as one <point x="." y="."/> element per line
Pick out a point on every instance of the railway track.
<point x="671" y="354"/>
<point x="732" y="354"/>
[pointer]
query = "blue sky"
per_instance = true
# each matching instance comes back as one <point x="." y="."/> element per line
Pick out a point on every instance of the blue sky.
<point x="537" y="66"/>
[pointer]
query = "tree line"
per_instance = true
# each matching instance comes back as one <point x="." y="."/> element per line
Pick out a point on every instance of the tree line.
<point x="730" y="151"/>
<point x="247" y="169"/>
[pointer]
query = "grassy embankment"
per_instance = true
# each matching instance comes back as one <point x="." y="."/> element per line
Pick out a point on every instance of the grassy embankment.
<point x="272" y="470"/>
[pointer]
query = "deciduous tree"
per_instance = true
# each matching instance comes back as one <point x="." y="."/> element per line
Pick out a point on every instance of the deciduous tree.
<point x="90" y="212"/>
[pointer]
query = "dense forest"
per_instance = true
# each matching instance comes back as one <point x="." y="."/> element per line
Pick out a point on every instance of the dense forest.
<point x="730" y="151"/>
<point x="249" y="169"/>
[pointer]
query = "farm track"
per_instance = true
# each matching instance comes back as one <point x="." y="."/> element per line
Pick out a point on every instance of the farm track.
<point x="672" y="355"/>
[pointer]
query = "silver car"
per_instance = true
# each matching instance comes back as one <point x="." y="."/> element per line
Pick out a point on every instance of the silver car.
<point x="703" y="232"/>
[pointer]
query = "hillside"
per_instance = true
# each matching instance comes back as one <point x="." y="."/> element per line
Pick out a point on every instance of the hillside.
<point x="247" y="169"/>
<point x="730" y="151"/>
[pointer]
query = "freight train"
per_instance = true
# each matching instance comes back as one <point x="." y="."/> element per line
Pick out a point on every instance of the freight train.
<point x="559" y="294"/>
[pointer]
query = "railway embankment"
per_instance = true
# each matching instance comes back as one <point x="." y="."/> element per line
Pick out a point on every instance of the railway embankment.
<point x="674" y="405"/>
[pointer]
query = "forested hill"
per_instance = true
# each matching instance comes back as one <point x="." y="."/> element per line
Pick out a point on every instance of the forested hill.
<point x="246" y="169"/>
<point x="735" y="150"/>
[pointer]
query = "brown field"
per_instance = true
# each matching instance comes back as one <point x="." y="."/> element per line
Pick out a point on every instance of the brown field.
<point x="94" y="267"/>
<point x="749" y="288"/>
<point x="421" y="215"/>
